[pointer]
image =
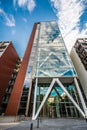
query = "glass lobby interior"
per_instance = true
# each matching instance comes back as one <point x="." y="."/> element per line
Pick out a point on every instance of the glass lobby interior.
<point x="57" y="104"/>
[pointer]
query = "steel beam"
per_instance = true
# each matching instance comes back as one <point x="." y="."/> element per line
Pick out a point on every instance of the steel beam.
<point x="44" y="99"/>
<point x="47" y="94"/>
<point x="70" y="97"/>
<point x="35" y="96"/>
<point x="81" y="96"/>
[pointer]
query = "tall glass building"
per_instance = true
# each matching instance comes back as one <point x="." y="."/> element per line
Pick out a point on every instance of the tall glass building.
<point x="50" y="88"/>
<point x="51" y="76"/>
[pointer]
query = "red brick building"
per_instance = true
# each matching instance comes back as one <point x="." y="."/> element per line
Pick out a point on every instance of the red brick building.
<point x="8" y="60"/>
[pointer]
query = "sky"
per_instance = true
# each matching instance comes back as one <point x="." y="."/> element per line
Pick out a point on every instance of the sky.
<point x="17" y="18"/>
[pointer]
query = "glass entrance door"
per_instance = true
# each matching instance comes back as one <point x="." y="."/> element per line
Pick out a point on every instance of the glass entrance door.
<point x="57" y="104"/>
<point x="49" y="109"/>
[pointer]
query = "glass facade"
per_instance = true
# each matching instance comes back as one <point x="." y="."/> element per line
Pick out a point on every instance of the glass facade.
<point x="49" y="59"/>
<point x="57" y="103"/>
<point x="52" y="57"/>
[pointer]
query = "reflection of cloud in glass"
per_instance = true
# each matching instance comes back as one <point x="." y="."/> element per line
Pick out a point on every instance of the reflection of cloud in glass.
<point x="53" y="60"/>
<point x="49" y="32"/>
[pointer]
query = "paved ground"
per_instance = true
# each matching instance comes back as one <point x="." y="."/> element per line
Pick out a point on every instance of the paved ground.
<point x="49" y="124"/>
<point x="4" y="126"/>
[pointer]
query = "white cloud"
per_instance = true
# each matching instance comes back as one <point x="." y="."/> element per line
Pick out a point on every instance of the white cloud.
<point x="69" y="14"/>
<point x="22" y="2"/>
<point x="9" y="19"/>
<point x="29" y="4"/>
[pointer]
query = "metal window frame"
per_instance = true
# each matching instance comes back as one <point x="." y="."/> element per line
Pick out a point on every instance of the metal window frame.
<point x="34" y="117"/>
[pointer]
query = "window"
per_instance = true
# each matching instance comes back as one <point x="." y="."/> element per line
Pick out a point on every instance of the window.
<point x="1" y="51"/>
<point x="83" y="52"/>
<point x="86" y="49"/>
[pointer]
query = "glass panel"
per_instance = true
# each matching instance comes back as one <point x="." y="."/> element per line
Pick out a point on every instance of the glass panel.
<point x="50" y="34"/>
<point x="53" y="62"/>
<point x="55" y="73"/>
<point x="52" y="57"/>
<point x="57" y="103"/>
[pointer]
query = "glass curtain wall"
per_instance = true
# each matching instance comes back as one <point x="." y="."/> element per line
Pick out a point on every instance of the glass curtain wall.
<point x="57" y="103"/>
<point x="53" y="61"/>
<point x="49" y="59"/>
